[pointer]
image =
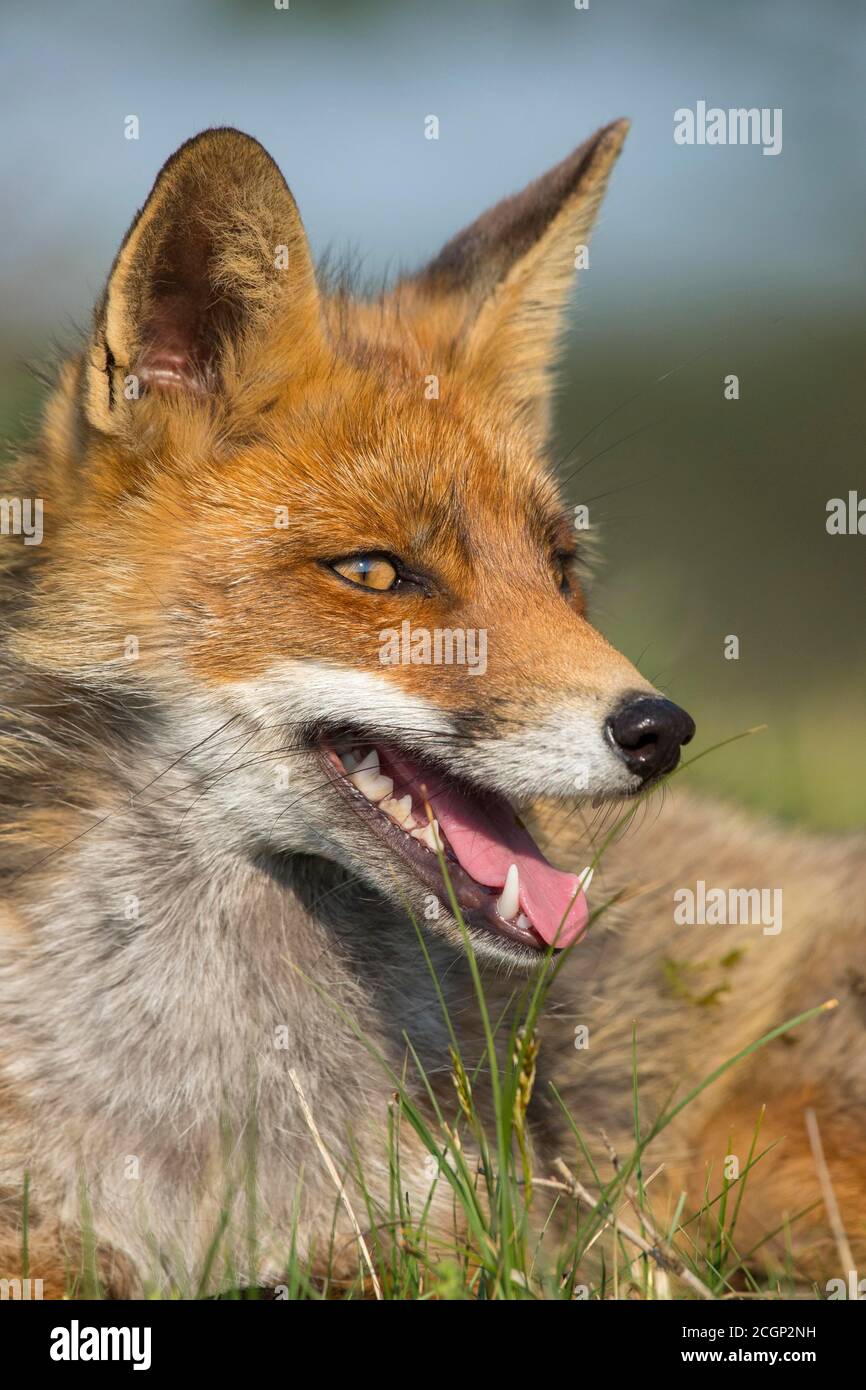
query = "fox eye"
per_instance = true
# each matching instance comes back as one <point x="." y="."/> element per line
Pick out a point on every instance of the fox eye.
<point x="566" y="574"/>
<point x="367" y="571"/>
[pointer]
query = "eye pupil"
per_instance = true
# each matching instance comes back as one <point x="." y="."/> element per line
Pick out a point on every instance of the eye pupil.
<point x="367" y="571"/>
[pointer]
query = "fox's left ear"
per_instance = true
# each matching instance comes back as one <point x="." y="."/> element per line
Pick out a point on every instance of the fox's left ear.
<point x="510" y="273"/>
<point x="217" y="254"/>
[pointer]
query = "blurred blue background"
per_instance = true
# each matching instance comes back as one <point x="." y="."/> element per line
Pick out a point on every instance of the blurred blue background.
<point x="708" y="260"/>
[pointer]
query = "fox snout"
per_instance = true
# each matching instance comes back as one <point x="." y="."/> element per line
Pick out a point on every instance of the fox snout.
<point x="648" y="733"/>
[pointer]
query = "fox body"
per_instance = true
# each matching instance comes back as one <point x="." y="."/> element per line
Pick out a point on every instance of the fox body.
<point x="249" y="479"/>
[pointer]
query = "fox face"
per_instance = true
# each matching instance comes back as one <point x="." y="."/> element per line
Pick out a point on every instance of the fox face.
<point x="322" y="537"/>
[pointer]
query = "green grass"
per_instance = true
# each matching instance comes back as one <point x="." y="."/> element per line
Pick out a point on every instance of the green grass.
<point x="575" y="1232"/>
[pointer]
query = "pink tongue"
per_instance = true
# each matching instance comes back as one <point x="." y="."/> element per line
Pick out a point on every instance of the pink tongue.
<point x="487" y="840"/>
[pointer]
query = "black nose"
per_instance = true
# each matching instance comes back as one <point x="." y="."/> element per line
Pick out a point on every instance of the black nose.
<point x="648" y="733"/>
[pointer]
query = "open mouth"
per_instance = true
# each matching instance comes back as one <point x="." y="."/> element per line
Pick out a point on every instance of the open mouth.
<point x="499" y="876"/>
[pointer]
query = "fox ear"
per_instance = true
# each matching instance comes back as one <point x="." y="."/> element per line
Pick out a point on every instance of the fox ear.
<point x="215" y="255"/>
<point x="514" y="268"/>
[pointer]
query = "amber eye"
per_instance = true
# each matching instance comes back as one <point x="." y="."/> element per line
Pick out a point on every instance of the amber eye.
<point x="367" y="571"/>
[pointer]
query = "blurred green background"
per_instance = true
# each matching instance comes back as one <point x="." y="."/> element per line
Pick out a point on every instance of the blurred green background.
<point x="707" y="261"/>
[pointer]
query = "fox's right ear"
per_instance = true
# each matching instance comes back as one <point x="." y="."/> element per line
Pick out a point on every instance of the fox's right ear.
<point x="217" y="253"/>
<point x="509" y="275"/>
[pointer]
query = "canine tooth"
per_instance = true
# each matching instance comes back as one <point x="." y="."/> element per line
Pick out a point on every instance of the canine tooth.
<point x="509" y="901"/>
<point x="585" y="878"/>
<point x="350" y="761"/>
<point x="374" y="787"/>
<point x="429" y="835"/>
<point x="369" y="763"/>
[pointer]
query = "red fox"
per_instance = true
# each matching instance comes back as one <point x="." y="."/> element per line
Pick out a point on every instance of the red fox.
<point x="302" y="656"/>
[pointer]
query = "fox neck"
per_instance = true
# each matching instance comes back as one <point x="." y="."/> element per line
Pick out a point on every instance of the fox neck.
<point x="171" y="949"/>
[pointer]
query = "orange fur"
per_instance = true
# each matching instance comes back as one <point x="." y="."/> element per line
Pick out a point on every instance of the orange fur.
<point x="222" y="388"/>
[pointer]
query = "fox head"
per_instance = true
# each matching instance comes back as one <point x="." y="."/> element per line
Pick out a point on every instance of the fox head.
<point x="319" y="536"/>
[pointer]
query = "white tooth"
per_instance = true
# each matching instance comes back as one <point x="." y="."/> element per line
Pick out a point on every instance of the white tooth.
<point x="371" y="784"/>
<point x="585" y="878"/>
<point x="509" y="902"/>
<point x="402" y="811"/>
<point x="369" y="763"/>
<point x="429" y="836"/>
<point x="523" y="921"/>
<point x="399" y="811"/>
